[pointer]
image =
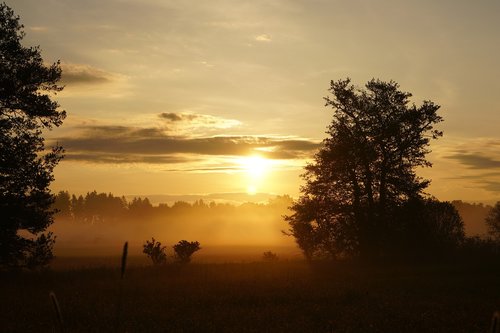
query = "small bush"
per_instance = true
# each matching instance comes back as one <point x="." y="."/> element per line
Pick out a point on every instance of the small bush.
<point x="155" y="252"/>
<point x="269" y="256"/>
<point x="184" y="250"/>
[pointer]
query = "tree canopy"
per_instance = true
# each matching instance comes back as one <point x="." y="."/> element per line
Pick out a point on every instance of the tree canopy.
<point x="493" y="222"/>
<point x="27" y="87"/>
<point x="365" y="172"/>
<point x="184" y="250"/>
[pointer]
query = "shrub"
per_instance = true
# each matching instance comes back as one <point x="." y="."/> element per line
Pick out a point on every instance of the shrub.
<point x="269" y="256"/>
<point x="184" y="250"/>
<point x="155" y="252"/>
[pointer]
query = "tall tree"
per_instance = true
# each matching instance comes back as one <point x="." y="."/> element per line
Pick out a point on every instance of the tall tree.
<point x="27" y="87"/>
<point x="62" y="205"/>
<point x="493" y="222"/>
<point x="365" y="169"/>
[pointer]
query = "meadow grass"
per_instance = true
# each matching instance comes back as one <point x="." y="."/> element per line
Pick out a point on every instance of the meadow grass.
<point x="279" y="296"/>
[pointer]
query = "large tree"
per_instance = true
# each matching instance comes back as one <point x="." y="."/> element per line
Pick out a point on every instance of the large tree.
<point x="493" y="222"/>
<point x="365" y="171"/>
<point x="27" y="108"/>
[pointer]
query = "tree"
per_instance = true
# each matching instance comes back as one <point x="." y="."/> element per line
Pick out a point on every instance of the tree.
<point x="493" y="222"/>
<point x="364" y="171"/>
<point x="139" y="207"/>
<point x="155" y="252"/>
<point x="26" y="165"/>
<point x="78" y="208"/>
<point x="426" y="228"/>
<point x="62" y="204"/>
<point x="269" y="256"/>
<point x="184" y="250"/>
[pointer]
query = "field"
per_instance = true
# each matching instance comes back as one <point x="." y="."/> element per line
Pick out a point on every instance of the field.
<point x="283" y="296"/>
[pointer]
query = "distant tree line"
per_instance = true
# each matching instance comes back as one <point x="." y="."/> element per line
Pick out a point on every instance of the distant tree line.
<point x="95" y="207"/>
<point x="106" y="208"/>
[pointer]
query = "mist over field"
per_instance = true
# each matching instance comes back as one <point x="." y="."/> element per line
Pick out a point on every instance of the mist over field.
<point x="98" y="224"/>
<point x="224" y="230"/>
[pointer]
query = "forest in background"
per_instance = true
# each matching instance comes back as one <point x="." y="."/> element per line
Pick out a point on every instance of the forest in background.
<point x="97" y="223"/>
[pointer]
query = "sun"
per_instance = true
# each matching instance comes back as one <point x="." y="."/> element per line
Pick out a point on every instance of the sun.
<point x="255" y="166"/>
<point x="252" y="189"/>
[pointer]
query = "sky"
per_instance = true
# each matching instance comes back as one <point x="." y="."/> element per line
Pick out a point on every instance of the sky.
<point x="226" y="96"/>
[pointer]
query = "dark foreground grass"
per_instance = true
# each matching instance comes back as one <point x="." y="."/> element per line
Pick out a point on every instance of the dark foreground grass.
<point x="258" y="297"/>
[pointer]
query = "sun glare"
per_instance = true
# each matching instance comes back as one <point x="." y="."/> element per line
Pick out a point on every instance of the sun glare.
<point x="251" y="189"/>
<point x="255" y="166"/>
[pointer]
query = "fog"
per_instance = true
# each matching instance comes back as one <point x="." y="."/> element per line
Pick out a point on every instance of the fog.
<point x="474" y="215"/>
<point x="99" y="224"/>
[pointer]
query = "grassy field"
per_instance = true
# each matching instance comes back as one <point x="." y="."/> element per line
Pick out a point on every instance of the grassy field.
<point x="255" y="297"/>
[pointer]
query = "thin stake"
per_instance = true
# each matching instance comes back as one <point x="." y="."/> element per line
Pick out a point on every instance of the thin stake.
<point x="57" y="310"/>
<point x="495" y="323"/>
<point x="124" y="259"/>
<point x="119" y="308"/>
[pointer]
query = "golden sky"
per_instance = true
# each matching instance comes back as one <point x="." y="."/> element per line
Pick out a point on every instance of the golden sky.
<point x="226" y="96"/>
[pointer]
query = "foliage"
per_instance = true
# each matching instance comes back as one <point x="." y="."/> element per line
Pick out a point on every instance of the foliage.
<point x="365" y="171"/>
<point x="426" y="228"/>
<point x="62" y="205"/>
<point x="493" y="222"/>
<point x="40" y="251"/>
<point x="155" y="252"/>
<point x="26" y="165"/>
<point x="184" y="250"/>
<point x="269" y="256"/>
<point x="95" y="207"/>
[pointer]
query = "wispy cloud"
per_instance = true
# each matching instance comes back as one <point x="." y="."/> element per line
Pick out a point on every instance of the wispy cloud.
<point x="263" y="38"/>
<point x="122" y="144"/>
<point x="74" y="74"/>
<point x="476" y="160"/>
<point x="111" y="158"/>
<point x="479" y="153"/>
<point x="198" y="120"/>
<point x="492" y="186"/>
<point x="38" y="29"/>
<point x="477" y="163"/>
<point x="172" y="116"/>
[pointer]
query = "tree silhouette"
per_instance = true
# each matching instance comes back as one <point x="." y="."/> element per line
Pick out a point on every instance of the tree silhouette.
<point x="269" y="256"/>
<point x="493" y="222"/>
<point x="62" y="204"/>
<point x="184" y="250"/>
<point x="155" y="252"/>
<point x="426" y="228"/>
<point x="364" y="171"/>
<point x="26" y="109"/>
